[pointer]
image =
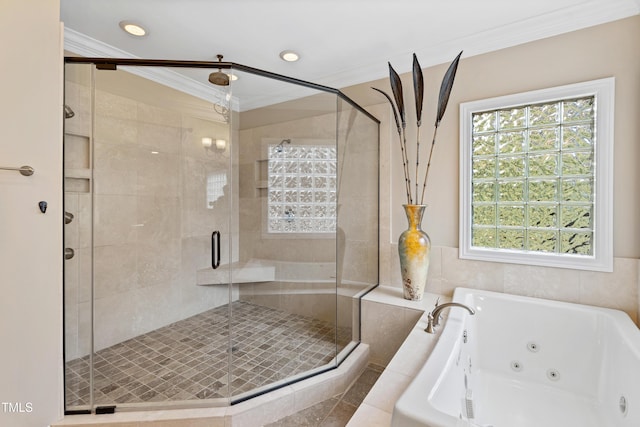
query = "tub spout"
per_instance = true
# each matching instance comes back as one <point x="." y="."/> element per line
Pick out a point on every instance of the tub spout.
<point x="434" y="316"/>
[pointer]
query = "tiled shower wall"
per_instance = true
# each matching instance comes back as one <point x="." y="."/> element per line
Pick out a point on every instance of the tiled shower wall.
<point x="152" y="227"/>
<point x="357" y="239"/>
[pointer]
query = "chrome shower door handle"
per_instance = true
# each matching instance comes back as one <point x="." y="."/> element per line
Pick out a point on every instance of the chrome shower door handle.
<point x="215" y="249"/>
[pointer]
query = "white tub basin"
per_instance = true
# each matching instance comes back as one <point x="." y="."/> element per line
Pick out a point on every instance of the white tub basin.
<point x="527" y="362"/>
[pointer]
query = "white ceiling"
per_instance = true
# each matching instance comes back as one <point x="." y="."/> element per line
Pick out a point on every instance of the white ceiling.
<point x="340" y="42"/>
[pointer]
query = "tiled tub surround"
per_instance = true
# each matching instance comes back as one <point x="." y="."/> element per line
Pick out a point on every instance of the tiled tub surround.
<point x="618" y="290"/>
<point x="388" y="319"/>
<point x="377" y="407"/>
<point x="189" y="359"/>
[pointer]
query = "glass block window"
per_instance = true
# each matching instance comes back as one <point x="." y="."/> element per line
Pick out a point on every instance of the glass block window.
<point x="215" y="188"/>
<point x="537" y="176"/>
<point x="302" y="189"/>
<point x="532" y="177"/>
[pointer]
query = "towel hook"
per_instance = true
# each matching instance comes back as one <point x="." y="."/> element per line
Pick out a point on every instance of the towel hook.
<point x="24" y="170"/>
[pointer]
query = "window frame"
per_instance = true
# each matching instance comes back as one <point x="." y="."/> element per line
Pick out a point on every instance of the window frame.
<point x="603" y="91"/>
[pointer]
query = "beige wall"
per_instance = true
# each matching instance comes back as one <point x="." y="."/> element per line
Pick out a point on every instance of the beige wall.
<point x="30" y="242"/>
<point x="597" y="52"/>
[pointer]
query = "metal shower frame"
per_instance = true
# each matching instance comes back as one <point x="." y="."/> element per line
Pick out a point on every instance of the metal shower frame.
<point x="113" y="63"/>
<point x="102" y="63"/>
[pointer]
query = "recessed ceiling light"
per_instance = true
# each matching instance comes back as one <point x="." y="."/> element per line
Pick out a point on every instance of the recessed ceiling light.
<point x="289" y="56"/>
<point x="133" y="28"/>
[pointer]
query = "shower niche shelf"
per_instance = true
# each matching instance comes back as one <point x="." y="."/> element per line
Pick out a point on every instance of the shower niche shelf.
<point x="77" y="154"/>
<point x="261" y="177"/>
<point x="78" y="173"/>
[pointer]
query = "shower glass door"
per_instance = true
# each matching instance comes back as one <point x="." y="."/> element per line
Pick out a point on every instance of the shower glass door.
<point x="150" y="315"/>
<point x="219" y="237"/>
<point x="77" y="237"/>
<point x="283" y="322"/>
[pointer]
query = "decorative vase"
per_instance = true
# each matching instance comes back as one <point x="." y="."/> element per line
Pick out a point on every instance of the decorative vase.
<point x="414" y="248"/>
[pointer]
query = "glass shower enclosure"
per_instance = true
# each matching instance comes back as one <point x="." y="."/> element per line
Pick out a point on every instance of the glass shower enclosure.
<point x="218" y="239"/>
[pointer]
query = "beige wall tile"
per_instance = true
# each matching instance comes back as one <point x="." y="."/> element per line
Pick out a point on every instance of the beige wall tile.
<point x="115" y="270"/>
<point x="542" y="282"/>
<point x="322" y="387"/>
<point x="114" y="219"/>
<point x="395" y="385"/>
<point x="110" y="105"/>
<point x="395" y="276"/>
<point x="84" y="219"/>
<point x="158" y="218"/>
<point x="472" y="274"/>
<point x="434" y="278"/>
<point x="77" y="97"/>
<point x="115" y="182"/>
<point x="158" y="174"/>
<point x="370" y="416"/>
<point x="151" y="114"/>
<point x="115" y="316"/>
<point x="115" y="130"/>
<point x="157" y="261"/>
<point x="617" y="290"/>
<point x="384" y="328"/>
<point x="162" y="138"/>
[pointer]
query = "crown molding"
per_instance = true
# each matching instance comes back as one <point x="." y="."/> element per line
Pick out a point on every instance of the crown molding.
<point x="83" y="45"/>
<point x="569" y="19"/>
<point x="539" y="27"/>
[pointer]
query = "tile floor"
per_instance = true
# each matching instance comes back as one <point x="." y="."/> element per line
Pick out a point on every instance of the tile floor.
<point x="337" y="411"/>
<point x="189" y="359"/>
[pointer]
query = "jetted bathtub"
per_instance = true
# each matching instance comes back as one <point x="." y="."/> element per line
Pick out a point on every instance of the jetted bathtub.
<point x="527" y="362"/>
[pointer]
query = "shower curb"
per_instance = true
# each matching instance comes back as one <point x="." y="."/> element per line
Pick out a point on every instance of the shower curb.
<point x="263" y="409"/>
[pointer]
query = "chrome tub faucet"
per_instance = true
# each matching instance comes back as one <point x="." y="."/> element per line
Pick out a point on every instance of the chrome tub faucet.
<point x="434" y="317"/>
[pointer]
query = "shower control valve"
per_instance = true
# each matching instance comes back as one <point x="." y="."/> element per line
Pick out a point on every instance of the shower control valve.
<point x="290" y="215"/>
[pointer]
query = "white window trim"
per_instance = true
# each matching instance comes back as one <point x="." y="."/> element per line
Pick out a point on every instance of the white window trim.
<point x="602" y="259"/>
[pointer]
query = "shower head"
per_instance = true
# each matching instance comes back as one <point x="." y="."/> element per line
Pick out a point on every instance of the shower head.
<point x="68" y="112"/>
<point x="279" y="146"/>
<point x="219" y="78"/>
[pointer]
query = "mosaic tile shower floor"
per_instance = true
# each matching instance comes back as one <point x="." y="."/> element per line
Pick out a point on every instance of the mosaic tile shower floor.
<point x="188" y="359"/>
